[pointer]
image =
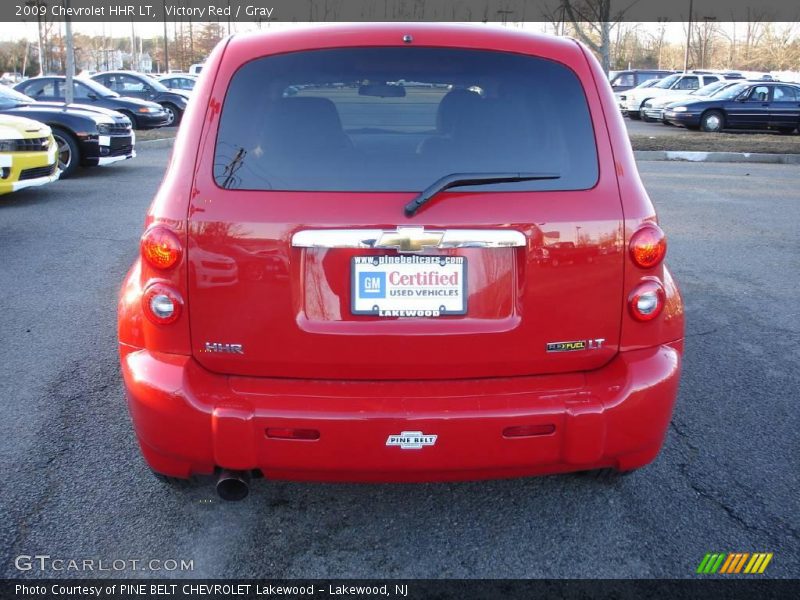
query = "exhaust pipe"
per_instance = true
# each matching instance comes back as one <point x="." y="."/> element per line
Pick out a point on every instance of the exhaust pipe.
<point x="233" y="485"/>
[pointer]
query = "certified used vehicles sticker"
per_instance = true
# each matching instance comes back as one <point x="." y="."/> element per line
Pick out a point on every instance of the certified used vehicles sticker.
<point x="411" y="440"/>
<point x="409" y="286"/>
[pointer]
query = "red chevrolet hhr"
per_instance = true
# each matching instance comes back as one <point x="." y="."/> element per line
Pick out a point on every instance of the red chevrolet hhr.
<point x="400" y="252"/>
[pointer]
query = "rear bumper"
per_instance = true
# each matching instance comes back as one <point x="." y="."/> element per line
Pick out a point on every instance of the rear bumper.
<point x="189" y="420"/>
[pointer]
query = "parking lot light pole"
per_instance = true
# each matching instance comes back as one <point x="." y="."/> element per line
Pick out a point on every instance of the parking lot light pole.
<point x="166" y="38"/>
<point x="69" y="92"/>
<point x="688" y="39"/>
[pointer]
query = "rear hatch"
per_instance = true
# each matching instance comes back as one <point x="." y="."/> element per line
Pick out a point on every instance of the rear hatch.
<point x="303" y="264"/>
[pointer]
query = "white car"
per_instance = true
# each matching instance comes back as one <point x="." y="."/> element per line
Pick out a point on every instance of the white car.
<point x="620" y="96"/>
<point x="180" y="81"/>
<point x="673" y="85"/>
<point x="653" y="110"/>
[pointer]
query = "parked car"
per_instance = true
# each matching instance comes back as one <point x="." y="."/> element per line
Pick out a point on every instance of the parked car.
<point x="142" y="114"/>
<point x="11" y="77"/>
<point x="746" y="105"/>
<point x="390" y="317"/>
<point x="621" y="97"/>
<point x="137" y="85"/>
<point x="626" y="80"/>
<point x="85" y="136"/>
<point x="676" y="85"/>
<point x="27" y="154"/>
<point x="196" y="68"/>
<point x="179" y="82"/>
<point x="653" y="109"/>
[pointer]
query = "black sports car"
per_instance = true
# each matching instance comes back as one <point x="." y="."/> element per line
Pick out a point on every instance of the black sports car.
<point x="143" y="114"/>
<point x="137" y="85"/>
<point x="746" y="105"/>
<point x="86" y="136"/>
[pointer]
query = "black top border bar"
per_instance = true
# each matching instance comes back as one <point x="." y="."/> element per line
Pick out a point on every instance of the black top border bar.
<point x="263" y="11"/>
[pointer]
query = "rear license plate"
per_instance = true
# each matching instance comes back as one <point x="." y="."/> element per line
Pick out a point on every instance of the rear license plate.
<point x="409" y="286"/>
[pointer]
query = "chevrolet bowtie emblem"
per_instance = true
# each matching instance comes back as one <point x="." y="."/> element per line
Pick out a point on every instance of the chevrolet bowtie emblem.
<point x="409" y="239"/>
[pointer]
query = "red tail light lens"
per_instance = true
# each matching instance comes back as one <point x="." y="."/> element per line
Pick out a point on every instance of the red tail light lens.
<point x="647" y="301"/>
<point x="161" y="248"/>
<point x="285" y="433"/>
<point x="648" y="246"/>
<point x="528" y="430"/>
<point x="162" y="304"/>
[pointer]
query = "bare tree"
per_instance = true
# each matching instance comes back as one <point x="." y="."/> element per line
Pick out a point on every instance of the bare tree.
<point x="658" y="40"/>
<point x="704" y="37"/>
<point x="593" y="21"/>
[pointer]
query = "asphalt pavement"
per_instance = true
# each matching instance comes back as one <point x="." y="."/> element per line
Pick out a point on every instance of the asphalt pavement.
<point x="75" y="487"/>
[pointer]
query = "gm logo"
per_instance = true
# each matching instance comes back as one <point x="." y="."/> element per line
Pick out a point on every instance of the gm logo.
<point x="372" y="285"/>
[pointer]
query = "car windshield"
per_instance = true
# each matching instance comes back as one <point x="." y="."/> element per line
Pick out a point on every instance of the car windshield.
<point x="731" y="92"/>
<point x="725" y="85"/>
<point x="98" y="89"/>
<point x="667" y="82"/>
<point x="153" y="83"/>
<point x="709" y="89"/>
<point x="398" y="119"/>
<point x="10" y="98"/>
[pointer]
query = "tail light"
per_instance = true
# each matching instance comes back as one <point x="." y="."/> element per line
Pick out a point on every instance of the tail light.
<point x="161" y="248"/>
<point x="162" y="304"/>
<point x="648" y="246"/>
<point x="647" y="300"/>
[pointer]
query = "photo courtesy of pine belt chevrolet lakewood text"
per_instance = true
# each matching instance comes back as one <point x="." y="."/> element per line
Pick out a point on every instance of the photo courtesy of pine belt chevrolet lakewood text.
<point x="400" y="252"/>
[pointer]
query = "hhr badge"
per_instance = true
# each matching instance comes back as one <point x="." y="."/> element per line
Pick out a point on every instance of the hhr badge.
<point x="224" y="348"/>
<point x="411" y="440"/>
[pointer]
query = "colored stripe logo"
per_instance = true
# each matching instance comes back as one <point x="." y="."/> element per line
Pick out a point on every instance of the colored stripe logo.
<point x="734" y="562"/>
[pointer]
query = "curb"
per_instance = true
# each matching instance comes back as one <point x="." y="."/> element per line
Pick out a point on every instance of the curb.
<point x="718" y="157"/>
<point x="643" y="155"/>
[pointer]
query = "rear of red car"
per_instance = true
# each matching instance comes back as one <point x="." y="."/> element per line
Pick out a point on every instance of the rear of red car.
<point x="302" y="310"/>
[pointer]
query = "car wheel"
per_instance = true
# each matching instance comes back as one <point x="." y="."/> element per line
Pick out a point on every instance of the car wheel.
<point x="647" y="119"/>
<point x="131" y="116"/>
<point x="69" y="155"/>
<point x="173" y="114"/>
<point x="634" y="114"/>
<point x="713" y="121"/>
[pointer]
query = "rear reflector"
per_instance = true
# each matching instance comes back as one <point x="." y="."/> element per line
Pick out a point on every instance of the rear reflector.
<point x="162" y="304"/>
<point x="648" y="246"/>
<point x="285" y="433"/>
<point x="161" y="248"/>
<point x="647" y="300"/>
<point x="528" y="430"/>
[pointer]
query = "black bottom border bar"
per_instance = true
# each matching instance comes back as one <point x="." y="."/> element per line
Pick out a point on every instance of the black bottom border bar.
<point x="466" y="589"/>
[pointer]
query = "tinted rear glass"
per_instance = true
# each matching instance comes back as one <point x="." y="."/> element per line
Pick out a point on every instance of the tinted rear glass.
<point x="397" y="119"/>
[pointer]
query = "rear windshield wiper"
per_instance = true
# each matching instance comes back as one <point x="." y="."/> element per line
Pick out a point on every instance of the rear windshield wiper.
<point x="459" y="179"/>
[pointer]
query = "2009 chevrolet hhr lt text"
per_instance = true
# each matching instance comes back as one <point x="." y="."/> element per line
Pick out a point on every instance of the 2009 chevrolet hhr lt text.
<point x="400" y="253"/>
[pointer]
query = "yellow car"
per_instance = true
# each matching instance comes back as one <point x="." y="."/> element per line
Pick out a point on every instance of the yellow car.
<point x="27" y="154"/>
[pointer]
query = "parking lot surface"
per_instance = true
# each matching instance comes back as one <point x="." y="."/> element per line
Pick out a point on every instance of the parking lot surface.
<point x="75" y="487"/>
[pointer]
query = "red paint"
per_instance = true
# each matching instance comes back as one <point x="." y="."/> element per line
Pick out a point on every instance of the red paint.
<point x="309" y="365"/>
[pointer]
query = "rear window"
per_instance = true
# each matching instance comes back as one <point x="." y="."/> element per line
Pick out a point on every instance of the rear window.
<point x="398" y="119"/>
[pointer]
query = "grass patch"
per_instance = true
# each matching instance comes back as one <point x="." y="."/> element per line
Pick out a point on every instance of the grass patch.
<point x="764" y="143"/>
<point x="155" y="134"/>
